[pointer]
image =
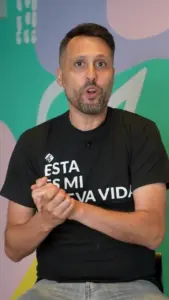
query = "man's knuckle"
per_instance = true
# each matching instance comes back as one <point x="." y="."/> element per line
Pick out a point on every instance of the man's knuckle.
<point x="62" y="193"/>
<point x="50" y="185"/>
<point x="48" y="208"/>
<point x="55" y="213"/>
<point x="52" y="188"/>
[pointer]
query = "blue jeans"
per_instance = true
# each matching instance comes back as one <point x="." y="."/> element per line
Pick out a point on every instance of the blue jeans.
<point x="50" y="290"/>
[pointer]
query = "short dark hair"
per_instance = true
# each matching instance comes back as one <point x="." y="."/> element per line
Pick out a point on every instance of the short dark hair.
<point x="88" y="29"/>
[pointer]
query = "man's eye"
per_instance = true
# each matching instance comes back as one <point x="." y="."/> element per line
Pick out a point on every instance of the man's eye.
<point x="101" y="64"/>
<point x="79" y="63"/>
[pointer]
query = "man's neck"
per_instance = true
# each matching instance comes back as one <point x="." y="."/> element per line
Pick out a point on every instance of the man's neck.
<point x="86" y="122"/>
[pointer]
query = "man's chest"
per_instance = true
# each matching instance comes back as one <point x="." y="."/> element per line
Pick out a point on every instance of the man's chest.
<point x="95" y="173"/>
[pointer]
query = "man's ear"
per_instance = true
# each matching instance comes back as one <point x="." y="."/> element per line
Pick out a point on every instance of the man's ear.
<point x="59" y="76"/>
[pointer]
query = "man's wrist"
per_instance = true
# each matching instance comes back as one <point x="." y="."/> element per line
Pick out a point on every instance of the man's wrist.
<point x="77" y="212"/>
<point x="45" y="225"/>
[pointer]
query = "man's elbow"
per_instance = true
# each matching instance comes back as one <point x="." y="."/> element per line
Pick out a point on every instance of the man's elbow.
<point x="12" y="255"/>
<point x="156" y="240"/>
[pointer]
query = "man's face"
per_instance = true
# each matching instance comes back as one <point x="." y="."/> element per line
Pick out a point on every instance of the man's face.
<point x="86" y="74"/>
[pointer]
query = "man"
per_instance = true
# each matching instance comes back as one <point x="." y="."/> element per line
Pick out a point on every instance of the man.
<point x="87" y="189"/>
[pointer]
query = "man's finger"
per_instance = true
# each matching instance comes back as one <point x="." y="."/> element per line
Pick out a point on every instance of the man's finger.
<point x="67" y="212"/>
<point x="45" y="194"/>
<point x="57" y="201"/>
<point x="39" y="183"/>
<point x="33" y="187"/>
<point x="49" y="191"/>
<point x="38" y="193"/>
<point x="58" y="206"/>
<point x="38" y="204"/>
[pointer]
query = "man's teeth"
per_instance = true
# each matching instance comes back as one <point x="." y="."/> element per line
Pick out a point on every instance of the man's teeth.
<point x="91" y="90"/>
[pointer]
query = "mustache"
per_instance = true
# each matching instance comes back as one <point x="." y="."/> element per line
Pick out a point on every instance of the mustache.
<point x="91" y="83"/>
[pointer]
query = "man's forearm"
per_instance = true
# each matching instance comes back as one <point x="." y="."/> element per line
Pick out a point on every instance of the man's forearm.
<point x="22" y="240"/>
<point x="138" y="227"/>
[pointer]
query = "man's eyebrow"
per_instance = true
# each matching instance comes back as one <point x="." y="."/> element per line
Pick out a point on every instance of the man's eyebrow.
<point x="84" y="56"/>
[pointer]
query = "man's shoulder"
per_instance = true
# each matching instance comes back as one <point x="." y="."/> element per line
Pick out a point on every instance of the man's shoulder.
<point x="132" y="117"/>
<point x="132" y="121"/>
<point x="38" y="134"/>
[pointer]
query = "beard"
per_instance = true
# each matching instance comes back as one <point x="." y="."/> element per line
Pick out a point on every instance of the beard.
<point x="93" y="108"/>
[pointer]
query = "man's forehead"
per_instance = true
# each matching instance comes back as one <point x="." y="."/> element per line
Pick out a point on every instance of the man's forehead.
<point x="87" y="56"/>
<point x="84" y="45"/>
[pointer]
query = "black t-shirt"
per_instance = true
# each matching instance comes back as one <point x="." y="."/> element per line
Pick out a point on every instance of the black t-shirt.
<point x="101" y="167"/>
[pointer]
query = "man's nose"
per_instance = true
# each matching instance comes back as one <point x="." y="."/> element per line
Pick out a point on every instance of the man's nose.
<point x="91" y="73"/>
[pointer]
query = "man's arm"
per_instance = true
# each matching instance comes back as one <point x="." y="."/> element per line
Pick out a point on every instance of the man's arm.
<point x="26" y="230"/>
<point x="145" y="226"/>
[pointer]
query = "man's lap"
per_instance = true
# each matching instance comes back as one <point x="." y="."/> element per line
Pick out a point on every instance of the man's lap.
<point x="136" y="290"/>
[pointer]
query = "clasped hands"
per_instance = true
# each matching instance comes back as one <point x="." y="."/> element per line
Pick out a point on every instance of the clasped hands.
<point x="53" y="203"/>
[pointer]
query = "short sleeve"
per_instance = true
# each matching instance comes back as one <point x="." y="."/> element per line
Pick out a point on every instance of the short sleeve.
<point x="149" y="160"/>
<point x="20" y="176"/>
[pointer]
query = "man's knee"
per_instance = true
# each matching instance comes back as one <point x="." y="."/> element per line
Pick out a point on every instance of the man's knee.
<point x="30" y="295"/>
<point x="149" y="291"/>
